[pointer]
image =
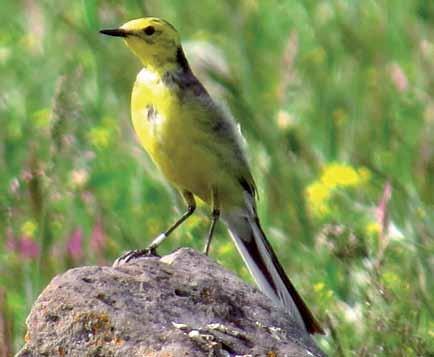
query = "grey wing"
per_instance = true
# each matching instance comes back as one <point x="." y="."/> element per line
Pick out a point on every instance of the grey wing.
<point x="229" y="143"/>
<point x="225" y="138"/>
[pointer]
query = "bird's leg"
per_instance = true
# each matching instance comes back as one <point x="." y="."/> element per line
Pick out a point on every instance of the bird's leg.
<point x="151" y="249"/>
<point x="215" y="214"/>
<point x="191" y="206"/>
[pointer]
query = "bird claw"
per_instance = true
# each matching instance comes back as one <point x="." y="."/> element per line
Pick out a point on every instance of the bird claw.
<point x="135" y="254"/>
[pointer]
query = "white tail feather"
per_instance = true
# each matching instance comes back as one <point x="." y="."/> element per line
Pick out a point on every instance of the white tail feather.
<point x="244" y="228"/>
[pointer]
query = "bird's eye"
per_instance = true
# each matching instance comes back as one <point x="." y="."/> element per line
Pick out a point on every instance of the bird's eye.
<point x="149" y="30"/>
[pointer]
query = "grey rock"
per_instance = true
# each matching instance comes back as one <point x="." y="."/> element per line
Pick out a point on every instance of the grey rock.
<point x="182" y="304"/>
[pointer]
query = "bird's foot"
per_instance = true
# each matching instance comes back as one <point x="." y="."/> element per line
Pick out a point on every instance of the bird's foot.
<point x="135" y="254"/>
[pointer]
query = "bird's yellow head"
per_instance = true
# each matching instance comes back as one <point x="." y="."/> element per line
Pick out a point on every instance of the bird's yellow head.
<point x="154" y="41"/>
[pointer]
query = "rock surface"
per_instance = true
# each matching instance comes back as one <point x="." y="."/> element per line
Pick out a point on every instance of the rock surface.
<point x="182" y="304"/>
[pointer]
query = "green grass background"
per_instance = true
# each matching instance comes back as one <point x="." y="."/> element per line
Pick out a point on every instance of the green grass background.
<point x="312" y="83"/>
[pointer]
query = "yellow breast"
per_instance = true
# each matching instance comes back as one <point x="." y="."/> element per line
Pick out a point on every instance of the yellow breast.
<point x="168" y="129"/>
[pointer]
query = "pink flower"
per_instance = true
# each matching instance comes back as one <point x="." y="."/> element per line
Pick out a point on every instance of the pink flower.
<point x="98" y="237"/>
<point x="28" y="248"/>
<point x="25" y="246"/>
<point x="74" y="245"/>
<point x="398" y="77"/>
<point x="382" y="210"/>
<point x="26" y="175"/>
<point x="14" y="185"/>
<point x="382" y="216"/>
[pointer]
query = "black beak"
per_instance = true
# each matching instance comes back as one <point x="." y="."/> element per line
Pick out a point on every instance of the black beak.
<point x="115" y="32"/>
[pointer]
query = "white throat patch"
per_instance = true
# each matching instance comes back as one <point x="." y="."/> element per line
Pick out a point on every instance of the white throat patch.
<point x="146" y="76"/>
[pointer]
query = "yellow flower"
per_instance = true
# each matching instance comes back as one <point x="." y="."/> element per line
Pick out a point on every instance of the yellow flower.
<point x="29" y="228"/>
<point x="373" y="229"/>
<point x="318" y="192"/>
<point x="41" y="117"/>
<point x="225" y="248"/>
<point x="99" y="137"/>
<point x="343" y="175"/>
<point x="323" y="293"/>
<point x="317" y="196"/>
<point x="318" y="287"/>
<point x="334" y="175"/>
<point x="391" y="280"/>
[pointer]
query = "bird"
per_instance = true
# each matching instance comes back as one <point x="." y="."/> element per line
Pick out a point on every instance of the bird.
<point x="199" y="149"/>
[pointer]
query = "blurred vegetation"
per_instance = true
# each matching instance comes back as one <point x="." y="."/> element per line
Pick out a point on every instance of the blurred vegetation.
<point x="336" y="100"/>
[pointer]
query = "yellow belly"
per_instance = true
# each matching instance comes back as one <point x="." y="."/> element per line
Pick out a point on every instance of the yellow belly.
<point x="168" y="130"/>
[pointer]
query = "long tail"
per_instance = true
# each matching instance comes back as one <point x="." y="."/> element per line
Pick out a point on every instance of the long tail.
<point x="269" y="275"/>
